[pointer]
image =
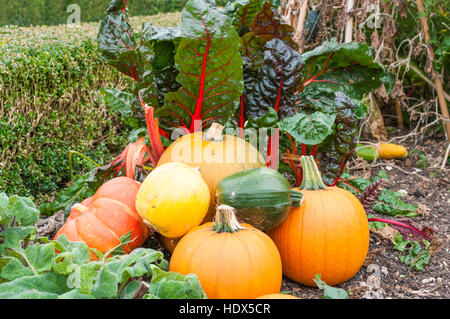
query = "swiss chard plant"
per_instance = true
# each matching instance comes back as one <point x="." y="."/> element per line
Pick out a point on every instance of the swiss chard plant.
<point x="236" y="66"/>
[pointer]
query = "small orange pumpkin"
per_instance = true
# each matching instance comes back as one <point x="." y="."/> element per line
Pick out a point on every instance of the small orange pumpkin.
<point x="327" y="234"/>
<point x="215" y="155"/>
<point x="231" y="260"/>
<point x="102" y="219"/>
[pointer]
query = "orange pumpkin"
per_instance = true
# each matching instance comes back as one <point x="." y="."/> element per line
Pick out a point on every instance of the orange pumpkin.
<point x="327" y="234"/>
<point x="278" y="296"/>
<point x="231" y="260"/>
<point x="216" y="155"/>
<point x="102" y="219"/>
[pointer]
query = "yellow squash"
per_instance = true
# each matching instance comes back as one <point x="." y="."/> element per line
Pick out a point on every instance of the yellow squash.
<point x="173" y="199"/>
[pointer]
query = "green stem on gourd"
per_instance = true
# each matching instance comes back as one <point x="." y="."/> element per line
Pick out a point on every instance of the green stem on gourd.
<point x="311" y="175"/>
<point x="225" y="220"/>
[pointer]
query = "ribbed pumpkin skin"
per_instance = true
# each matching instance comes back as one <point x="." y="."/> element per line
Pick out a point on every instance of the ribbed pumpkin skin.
<point x="173" y="199"/>
<point x="102" y="219"/>
<point x="241" y="265"/>
<point x="328" y="235"/>
<point x="215" y="160"/>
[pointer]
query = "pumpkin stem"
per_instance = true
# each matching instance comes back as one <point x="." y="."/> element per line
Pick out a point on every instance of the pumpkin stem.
<point x="225" y="220"/>
<point x="214" y="133"/>
<point x="311" y="175"/>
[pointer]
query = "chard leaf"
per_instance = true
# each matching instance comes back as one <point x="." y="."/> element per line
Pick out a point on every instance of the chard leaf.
<point x="388" y="203"/>
<point x="117" y="41"/>
<point x="268" y="24"/>
<point x="273" y="83"/>
<point x="268" y="120"/>
<point x="164" y="42"/>
<point x="170" y="285"/>
<point x="308" y="128"/>
<point x="341" y="144"/>
<point x="124" y="104"/>
<point x="348" y="68"/>
<point x="119" y="101"/>
<point x="243" y="12"/>
<point x="210" y="69"/>
<point x="415" y="254"/>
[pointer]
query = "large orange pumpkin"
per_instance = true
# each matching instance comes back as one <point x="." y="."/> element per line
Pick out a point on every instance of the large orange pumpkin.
<point x="216" y="155"/>
<point x="231" y="260"/>
<point x="102" y="219"/>
<point x="328" y="234"/>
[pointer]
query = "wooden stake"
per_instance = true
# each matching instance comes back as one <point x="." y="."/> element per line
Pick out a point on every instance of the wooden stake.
<point x="300" y="25"/>
<point x="436" y="78"/>
<point x="398" y="113"/>
<point x="349" y="24"/>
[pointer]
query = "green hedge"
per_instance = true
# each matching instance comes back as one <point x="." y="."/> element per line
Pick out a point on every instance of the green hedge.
<point x="49" y="104"/>
<point x="53" y="12"/>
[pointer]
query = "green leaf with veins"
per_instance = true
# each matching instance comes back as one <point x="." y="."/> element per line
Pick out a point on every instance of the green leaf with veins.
<point x="348" y="68"/>
<point x="308" y="129"/>
<point x="328" y="291"/>
<point x="243" y="12"/>
<point x="44" y="286"/>
<point x="20" y="209"/>
<point x="388" y="203"/>
<point x="210" y="69"/>
<point x="20" y="259"/>
<point x="170" y="285"/>
<point x="412" y="253"/>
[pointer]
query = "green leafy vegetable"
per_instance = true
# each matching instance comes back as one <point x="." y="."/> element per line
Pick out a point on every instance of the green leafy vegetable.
<point x="328" y="291"/>
<point x="413" y="253"/>
<point x="174" y="286"/>
<point x="243" y="12"/>
<point x="210" y="68"/>
<point x="20" y="211"/>
<point x="59" y="268"/>
<point x="388" y="203"/>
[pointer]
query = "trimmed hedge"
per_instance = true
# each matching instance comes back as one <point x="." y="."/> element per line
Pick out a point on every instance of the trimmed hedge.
<point x="53" y="12"/>
<point x="50" y="103"/>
